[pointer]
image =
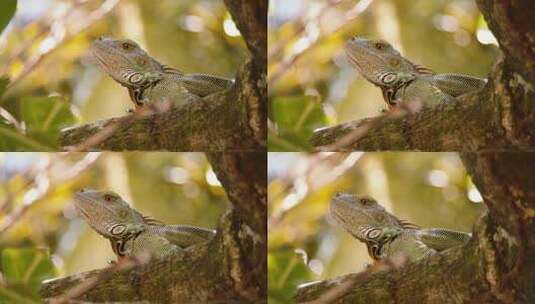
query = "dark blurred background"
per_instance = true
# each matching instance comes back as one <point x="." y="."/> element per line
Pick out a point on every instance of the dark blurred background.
<point x="312" y="84"/>
<point x="427" y="189"/>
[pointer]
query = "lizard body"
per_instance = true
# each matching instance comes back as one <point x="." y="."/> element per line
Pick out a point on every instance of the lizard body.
<point x="384" y="234"/>
<point x="402" y="81"/>
<point x="129" y="232"/>
<point x="146" y="79"/>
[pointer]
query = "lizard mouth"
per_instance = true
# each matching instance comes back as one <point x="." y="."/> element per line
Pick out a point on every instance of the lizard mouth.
<point x="351" y="51"/>
<point x="79" y="201"/>
<point x="105" y="57"/>
<point x="83" y="213"/>
<point x="353" y="60"/>
<point x="334" y="212"/>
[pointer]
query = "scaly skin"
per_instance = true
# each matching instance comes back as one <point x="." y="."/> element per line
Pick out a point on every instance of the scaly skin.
<point x="129" y="232"/>
<point x="384" y="234"/>
<point x="402" y="81"/>
<point x="148" y="80"/>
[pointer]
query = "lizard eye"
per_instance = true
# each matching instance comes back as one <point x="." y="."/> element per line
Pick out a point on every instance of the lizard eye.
<point x="109" y="197"/>
<point x="366" y="201"/>
<point x="380" y="45"/>
<point x="127" y="46"/>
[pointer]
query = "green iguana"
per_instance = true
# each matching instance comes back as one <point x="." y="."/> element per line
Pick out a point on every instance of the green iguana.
<point x="129" y="232"/>
<point x="146" y="79"/>
<point x="402" y="81"/>
<point x="384" y="234"/>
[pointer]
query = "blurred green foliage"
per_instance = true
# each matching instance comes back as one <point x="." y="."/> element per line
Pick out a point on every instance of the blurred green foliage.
<point x="286" y="270"/>
<point x="428" y="189"/>
<point x="297" y="117"/>
<point x="7" y="10"/>
<point x="23" y="272"/>
<point x="306" y="55"/>
<point x="44" y="54"/>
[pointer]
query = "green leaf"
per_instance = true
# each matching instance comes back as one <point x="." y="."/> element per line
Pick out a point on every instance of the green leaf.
<point x="12" y="139"/>
<point x="287" y="270"/>
<point x="24" y="270"/>
<point x="45" y="117"/>
<point x="296" y="118"/>
<point x="27" y="265"/>
<point x="288" y="141"/>
<point x="7" y="10"/>
<point x="14" y="293"/>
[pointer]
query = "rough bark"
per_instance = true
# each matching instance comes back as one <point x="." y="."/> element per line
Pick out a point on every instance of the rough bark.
<point x="232" y="267"/>
<point x="234" y="120"/>
<point x="499" y="117"/>
<point x="496" y="266"/>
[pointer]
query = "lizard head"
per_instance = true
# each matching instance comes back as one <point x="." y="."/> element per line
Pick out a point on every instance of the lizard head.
<point x="125" y="61"/>
<point x="108" y="214"/>
<point x="378" y="61"/>
<point x="358" y="215"/>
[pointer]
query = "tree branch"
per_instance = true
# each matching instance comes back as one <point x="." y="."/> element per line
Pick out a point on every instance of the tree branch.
<point x="496" y="118"/>
<point x="251" y="20"/>
<point x="216" y="123"/>
<point x="234" y="120"/>
<point x="496" y="266"/>
<point x="232" y="267"/>
<point x="511" y="23"/>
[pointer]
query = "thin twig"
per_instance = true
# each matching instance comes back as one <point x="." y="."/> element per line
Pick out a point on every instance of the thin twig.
<point x="84" y="286"/>
<point x="301" y="27"/>
<point x="35" y="60"/>
<point x="351" y="138"/>
<point x="44" y="187"/>
<point x="310" y="180"/>
<point x="286" y="64"/>
<point x="338" y="291"/>
<point x="123" y="122"/>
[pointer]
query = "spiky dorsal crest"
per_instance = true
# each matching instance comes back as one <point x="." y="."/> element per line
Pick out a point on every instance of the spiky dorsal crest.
<point x="408" y="225"/>
<point x="422" y="69"/>
<point x="151" y="221"/>
<point x="170" y="70"/>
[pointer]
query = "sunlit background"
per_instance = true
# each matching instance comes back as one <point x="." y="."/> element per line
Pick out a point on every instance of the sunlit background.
<point x="36" y="199"/>
<point x="427" y="189"/>
<point x="312" y="84"/>
<point x="44" y="49"/>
